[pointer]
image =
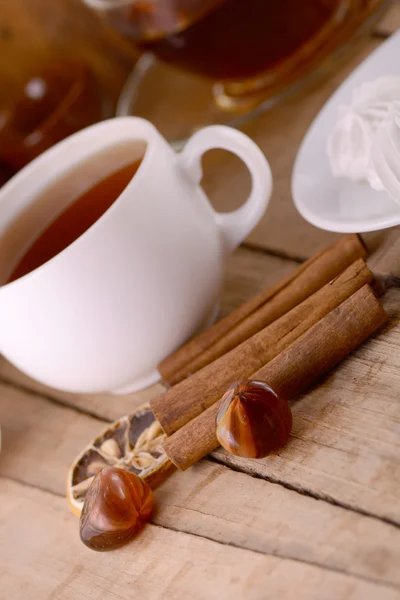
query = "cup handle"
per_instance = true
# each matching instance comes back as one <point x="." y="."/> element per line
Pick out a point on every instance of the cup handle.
<point x="236" y="225"/>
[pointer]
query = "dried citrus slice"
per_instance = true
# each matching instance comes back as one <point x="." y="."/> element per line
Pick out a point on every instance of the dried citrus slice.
<point x="133" y="443"/>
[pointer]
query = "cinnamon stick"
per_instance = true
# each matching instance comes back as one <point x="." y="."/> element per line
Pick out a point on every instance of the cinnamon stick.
<point x="185" y="401"/>
<point x="312" y="355"/>
<point x="262" y="310"/>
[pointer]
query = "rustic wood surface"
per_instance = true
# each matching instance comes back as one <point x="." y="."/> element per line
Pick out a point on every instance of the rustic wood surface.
<point x="391" y="20"/>
<point x="319" y="520"/>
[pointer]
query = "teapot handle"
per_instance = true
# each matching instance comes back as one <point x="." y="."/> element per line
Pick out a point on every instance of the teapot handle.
<point x="236" y="225"/>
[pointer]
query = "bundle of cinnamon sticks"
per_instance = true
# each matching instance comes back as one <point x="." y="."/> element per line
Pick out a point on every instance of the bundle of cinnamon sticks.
<point x="288" y="336"/>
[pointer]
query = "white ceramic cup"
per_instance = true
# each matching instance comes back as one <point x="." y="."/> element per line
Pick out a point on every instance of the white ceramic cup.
<point x="105" y="311"/>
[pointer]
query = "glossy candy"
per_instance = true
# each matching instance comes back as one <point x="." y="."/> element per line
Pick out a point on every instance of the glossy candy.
<point x="253" y="420"/>
<point x="117" y="506"/>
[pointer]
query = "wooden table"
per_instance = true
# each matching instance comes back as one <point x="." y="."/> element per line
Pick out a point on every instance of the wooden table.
<point x="318" y="520"/>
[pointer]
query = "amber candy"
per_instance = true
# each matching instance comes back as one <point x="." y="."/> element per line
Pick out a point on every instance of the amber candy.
<point x="117" y="506"/>
<point x="253" y="420"/>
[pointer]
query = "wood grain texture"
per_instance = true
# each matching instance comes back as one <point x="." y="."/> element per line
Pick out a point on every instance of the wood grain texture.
<point x="345" y="441"/>
<point x="43" y="559"/>
<point x="256" y="515"/>
<point x="391" y="20"/>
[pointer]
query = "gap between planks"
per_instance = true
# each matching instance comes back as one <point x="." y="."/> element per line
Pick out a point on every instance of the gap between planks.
<point x="191" y="534"/>
<point x="374" y="365"/>
<point x="274" y="540"/>
<point x="219" y="457"/>
<point x="191" y="566"/>
<point x="272" y="253"/>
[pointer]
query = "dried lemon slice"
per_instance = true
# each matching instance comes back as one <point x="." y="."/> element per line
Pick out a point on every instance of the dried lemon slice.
<point x="133" y="443"/>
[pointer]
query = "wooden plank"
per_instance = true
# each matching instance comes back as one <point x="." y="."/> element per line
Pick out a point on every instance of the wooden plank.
<point x="247" y="273"/>
<point x="345" y="444"/>
<point x="33" y="34"/>
<point x="41" y="557"/>
<point x="39" y="447"/>
<point x="345" y="439"/>
<point x="279" y="133"/>
<point x="39" y="438"/>
<point x="391" y="21"/>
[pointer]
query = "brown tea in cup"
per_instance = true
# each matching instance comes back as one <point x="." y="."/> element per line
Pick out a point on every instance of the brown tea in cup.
<point x="74" y="220"/>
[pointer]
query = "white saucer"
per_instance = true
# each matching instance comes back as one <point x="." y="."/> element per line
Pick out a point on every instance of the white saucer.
<point x="338" y="204"/>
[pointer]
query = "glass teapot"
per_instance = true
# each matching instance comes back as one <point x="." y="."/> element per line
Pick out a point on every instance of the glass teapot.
<point x="250" y="50"/>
